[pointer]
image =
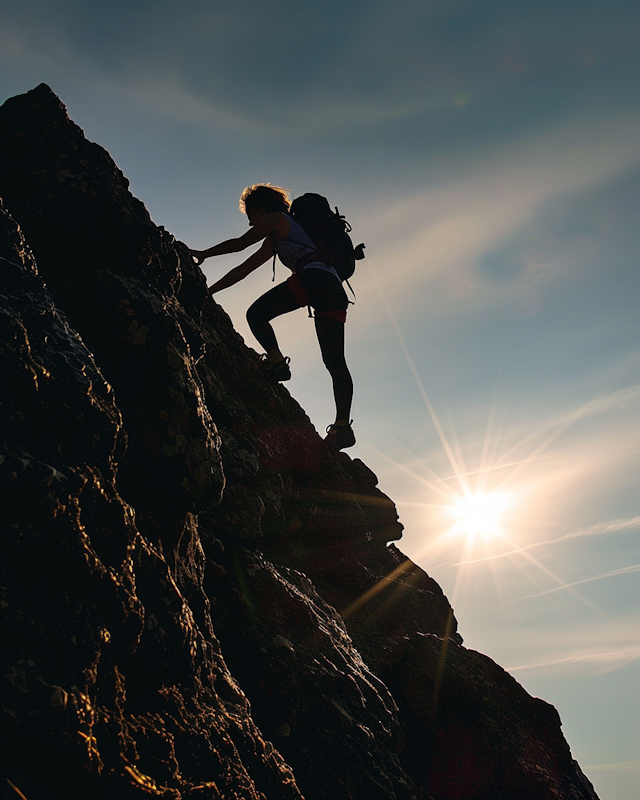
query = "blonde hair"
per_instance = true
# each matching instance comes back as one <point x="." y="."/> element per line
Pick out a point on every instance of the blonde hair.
<point x="266" y="196"/>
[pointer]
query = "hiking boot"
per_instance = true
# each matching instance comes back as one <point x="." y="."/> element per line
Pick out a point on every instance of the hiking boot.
<point x="339" y="437"/>
<point x="276" y="370"/>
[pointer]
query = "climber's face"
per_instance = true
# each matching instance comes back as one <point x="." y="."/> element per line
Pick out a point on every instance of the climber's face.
<point x="255" y="214"/>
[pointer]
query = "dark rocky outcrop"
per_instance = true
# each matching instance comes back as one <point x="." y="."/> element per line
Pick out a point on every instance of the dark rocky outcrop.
<point x="199" y="600"/>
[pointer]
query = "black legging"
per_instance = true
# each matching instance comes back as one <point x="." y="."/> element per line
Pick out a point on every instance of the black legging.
<point x="325" y="293"/>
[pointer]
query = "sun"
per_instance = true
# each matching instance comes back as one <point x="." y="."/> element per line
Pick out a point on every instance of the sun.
<point x="479" y="514"/>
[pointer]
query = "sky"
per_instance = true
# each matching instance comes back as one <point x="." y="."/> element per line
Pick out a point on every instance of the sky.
<point x="488" y="154"/>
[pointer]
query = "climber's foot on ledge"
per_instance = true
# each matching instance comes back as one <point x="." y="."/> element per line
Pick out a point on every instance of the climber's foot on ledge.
<point x="340" y="436"/>
<point x="275" y="370"/>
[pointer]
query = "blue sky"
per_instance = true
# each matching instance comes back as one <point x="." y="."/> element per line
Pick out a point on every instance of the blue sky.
<point x="489" y="156"/>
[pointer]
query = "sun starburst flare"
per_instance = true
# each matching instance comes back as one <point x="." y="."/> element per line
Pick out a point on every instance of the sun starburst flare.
<point x="490" y="510"/>
<point x="479" y="514"/>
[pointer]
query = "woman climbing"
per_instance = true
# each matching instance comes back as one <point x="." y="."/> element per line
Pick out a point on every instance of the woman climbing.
<point x="314" y="282"/>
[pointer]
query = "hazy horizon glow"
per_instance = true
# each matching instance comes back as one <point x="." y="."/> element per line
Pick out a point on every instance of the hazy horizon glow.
<point x="489" y="157"/>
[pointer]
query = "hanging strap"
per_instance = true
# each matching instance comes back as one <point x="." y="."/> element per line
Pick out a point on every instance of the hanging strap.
<point x="352" y="292"/>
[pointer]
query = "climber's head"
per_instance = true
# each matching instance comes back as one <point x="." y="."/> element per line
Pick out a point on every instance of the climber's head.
<point x="262" y="198"/>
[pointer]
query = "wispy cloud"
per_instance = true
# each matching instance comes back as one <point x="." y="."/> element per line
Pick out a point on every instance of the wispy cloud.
<point x="602" y="528"/>
<point x="167" y="97"/>
<point x="437" y="236"/>
<point x="621" y="766"/>
<point x="318" y="116"/>
<point x="201" y="80"/>
<point x="602" y="403"/>
<point x="371" y="64"/>
<point x="609" y="658"/>
<point x="581" y="646"/>
<point x="610" y="574"/>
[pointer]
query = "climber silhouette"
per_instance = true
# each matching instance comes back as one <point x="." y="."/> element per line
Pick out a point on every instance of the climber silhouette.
<point x="314" y="282"/>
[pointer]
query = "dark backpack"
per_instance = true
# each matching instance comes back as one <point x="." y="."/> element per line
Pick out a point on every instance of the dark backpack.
<point x="329" y="231"/>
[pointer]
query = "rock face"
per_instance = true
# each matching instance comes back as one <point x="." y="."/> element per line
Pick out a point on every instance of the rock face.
<point x="199" y="600"/>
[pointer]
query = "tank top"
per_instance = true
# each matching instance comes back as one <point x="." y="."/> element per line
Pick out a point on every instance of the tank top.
<point x="296" y="246"/>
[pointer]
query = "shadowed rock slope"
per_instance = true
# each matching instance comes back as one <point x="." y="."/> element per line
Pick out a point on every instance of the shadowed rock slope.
<point x="199" y="600"/>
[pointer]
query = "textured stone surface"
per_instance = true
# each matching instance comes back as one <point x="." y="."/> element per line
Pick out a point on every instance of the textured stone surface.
<point x="131" y="291"/>
<point x="110" y="687"/>
<point x="183" y="544"/>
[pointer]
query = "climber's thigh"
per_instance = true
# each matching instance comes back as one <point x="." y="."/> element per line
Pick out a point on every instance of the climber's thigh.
<point x="271" y="304"/>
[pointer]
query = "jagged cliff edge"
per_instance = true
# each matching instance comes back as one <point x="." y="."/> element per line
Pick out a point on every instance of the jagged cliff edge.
<point x="199" y="600"/>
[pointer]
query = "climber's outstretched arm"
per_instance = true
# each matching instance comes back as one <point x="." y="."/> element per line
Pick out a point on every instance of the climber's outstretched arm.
<point x="260" y="229"/>
<point x="238" y="273"/>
